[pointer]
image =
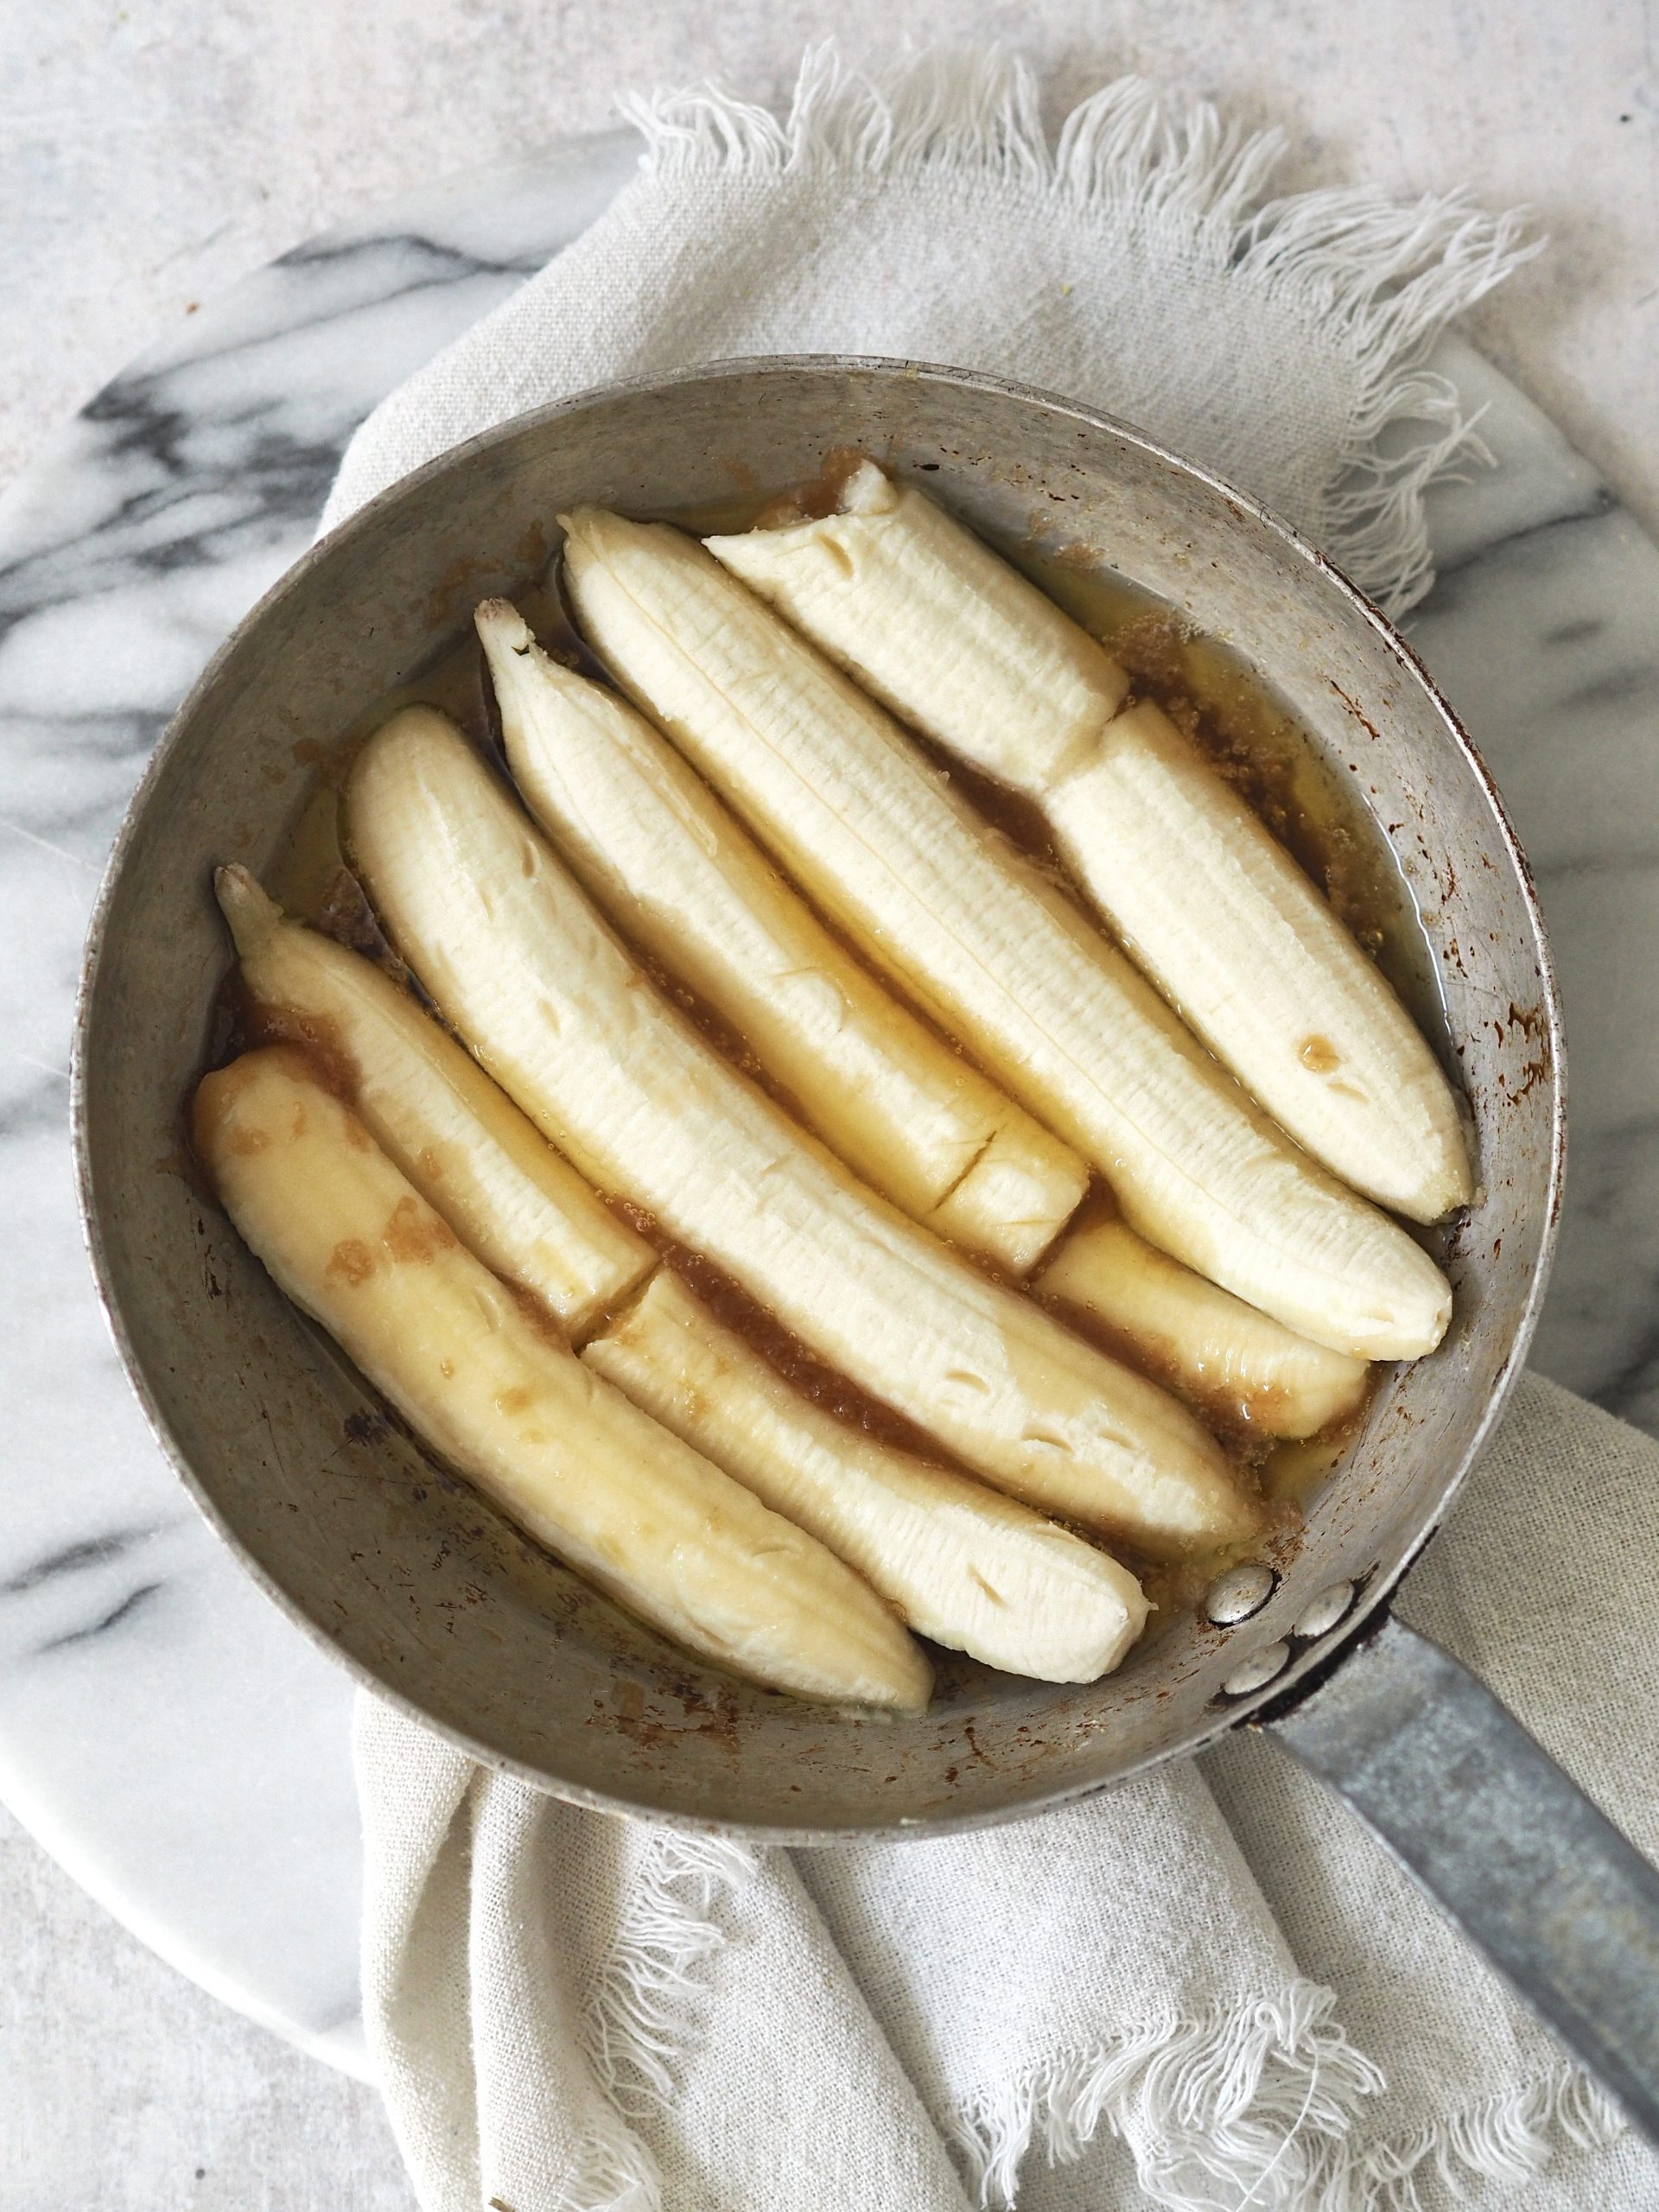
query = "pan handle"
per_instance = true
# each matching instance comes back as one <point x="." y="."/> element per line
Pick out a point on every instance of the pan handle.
<point x="1486" y="1821"/>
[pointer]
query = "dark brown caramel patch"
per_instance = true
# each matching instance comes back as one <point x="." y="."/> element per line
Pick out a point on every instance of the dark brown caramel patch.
<point x="531" y="1308"/>
<point x="415" y="1233"/>
<point x="1020" y="819"/>
<point x="345" y="914"/>
<point x="733" y="1307"/>
<point x="259" y="1026"/>
<point x="1318" y="1055"/>
<point x="813" y="501"/>
<point x="352" y="1261"/>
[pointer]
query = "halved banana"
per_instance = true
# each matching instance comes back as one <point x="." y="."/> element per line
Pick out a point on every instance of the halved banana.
<point x="566" y="1021"/>
<point x="655" y="847"/>
<point x="960" y="1563"/>
<point x="900" y="596"/>
<point x="1239" y="939"/>
<point x="1208" y="903"/>
<point x="459" y="1138"/>
<point x="570" y="1460"/>
<point x="1235" y="1365"/>
<point x="999" y="954"/>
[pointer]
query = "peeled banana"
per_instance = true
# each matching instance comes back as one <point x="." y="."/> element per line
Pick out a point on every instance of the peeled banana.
<point x="961" y="1564"/>
<point x="501" y="1187"/>
<point x="1235" y="936"/>
<point x="900" y="596"/>
<point x="1211" y="905"/>
<point x="565" y="1019"/>
<point x="570" y="1460"/>
<point x="658" y="851"/>
<point x="1236" y="1366"/>
<point x="997" y="954"/>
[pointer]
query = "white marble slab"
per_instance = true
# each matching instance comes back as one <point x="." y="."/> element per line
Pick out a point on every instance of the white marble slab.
<point x="163" y="1730"/>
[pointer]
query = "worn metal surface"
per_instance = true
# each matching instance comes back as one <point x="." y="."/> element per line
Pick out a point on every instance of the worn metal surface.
<point x="1492" y="1828"/>
<point x="420" y="1590"/>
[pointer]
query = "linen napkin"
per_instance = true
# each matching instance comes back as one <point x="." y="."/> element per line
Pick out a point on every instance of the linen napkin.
<point x="1207" y="1990"/>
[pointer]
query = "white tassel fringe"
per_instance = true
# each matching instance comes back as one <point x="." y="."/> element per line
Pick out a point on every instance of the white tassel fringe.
<point x="647" y="1997"/>
<point x="1253" y="2110"/>
<point x="644" y="2008"/>
<point x="1256" y="2110"/>
<point x="1511" y="2139"/>
<point x="1386" y="278"/>
<point x="1235" y="2109"/>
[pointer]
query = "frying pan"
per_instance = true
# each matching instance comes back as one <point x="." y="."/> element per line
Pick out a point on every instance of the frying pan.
<point x="432" y="1600"/>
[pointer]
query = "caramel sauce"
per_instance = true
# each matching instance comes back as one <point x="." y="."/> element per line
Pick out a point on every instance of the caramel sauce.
<point x="811" y="502"/>
<point x="414" y="1234"/>
<point x="733" y="1308"/>
<point x="351" y="1261"/>
<point x="256" y="1024"/>
<point x="1222" y="705"/>
<point x="1296" y="1467"/>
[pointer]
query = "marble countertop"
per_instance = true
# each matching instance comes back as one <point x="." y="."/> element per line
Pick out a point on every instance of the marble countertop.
<point x="144" y="185"/>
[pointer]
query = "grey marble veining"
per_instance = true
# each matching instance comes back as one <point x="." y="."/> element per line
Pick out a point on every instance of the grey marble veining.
<point x="1543" y="630"/>
<point x="163" y="1730"/>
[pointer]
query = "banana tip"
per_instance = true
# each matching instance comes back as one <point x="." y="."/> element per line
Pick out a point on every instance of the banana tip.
<point x="498" y="623"/>
<point x="247" y="907"/>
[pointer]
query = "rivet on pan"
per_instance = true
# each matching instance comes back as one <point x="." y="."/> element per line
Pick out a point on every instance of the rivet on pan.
<point x="1326" y="1609"/>
<point x="1257" y="1671"/>
<point x="1238" y="1594"/>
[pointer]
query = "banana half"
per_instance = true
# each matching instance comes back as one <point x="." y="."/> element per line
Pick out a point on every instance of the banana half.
<point x="1238" y="1367"/>
<point x="575" y="1464"/>
<point x="459" y="1139"/>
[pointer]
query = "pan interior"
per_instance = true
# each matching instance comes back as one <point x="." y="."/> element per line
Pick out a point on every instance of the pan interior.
<point x="426" y="1594"/>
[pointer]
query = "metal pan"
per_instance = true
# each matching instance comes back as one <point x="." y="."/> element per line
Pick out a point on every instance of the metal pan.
<point x="431" y="1600"/>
